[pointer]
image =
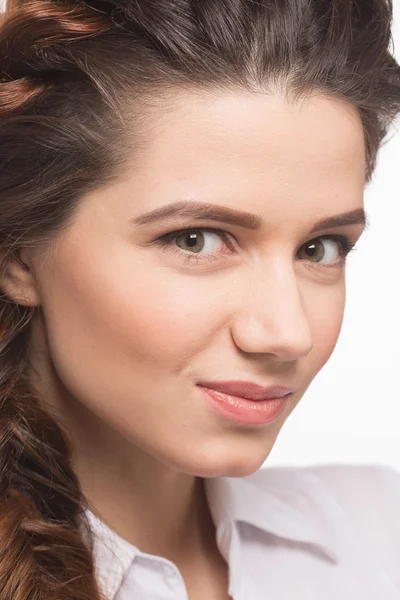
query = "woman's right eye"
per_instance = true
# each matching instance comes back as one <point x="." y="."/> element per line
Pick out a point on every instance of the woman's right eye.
<point x="190" y="244"/>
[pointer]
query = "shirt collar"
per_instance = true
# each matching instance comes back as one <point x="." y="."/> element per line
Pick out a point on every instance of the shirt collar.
<point x="268" y="500"/>
<point x="112" y="555"/>
<point x="271" y="501"/>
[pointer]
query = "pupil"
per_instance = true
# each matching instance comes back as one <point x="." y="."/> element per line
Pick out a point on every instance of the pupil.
<point x="310" y="250"/>
<point x="192" y="240"/>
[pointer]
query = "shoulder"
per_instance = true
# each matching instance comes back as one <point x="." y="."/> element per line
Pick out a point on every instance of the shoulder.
<point x="366" y="497"/>
<point x="346" y="482"/>
<point x="348" y="515"/>
<point x="358" y="485"/>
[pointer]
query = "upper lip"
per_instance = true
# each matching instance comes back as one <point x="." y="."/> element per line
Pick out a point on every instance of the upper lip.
<point x="246" y="389"/>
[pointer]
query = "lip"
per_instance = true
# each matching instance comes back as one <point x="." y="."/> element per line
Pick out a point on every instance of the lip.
<point x="260" y="406"/>
<point x="247" y="390"/>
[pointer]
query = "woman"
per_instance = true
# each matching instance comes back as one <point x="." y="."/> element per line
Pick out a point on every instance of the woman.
<point x="144" y="382"/>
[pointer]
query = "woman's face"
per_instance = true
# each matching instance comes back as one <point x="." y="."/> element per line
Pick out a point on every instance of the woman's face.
<point x="134" y="320"/>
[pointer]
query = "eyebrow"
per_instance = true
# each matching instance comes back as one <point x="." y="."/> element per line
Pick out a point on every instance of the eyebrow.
<point x="214" y="212"/>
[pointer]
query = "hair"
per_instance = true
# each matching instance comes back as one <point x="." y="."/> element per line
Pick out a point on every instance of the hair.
<point x="75" y="79"/>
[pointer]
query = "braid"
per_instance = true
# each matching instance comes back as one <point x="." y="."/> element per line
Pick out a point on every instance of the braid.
<point x="46" y="549"/>
<point x="42" y="552"/>
<point x="31" y="45"/>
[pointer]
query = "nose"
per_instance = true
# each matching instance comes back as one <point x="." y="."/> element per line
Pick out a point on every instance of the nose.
<point x="271" y="318"/>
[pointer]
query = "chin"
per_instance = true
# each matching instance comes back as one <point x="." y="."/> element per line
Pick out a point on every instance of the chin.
<point x="227" y="461"/>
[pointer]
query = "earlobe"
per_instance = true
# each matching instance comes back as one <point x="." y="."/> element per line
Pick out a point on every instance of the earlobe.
<point x="18" y="283"/>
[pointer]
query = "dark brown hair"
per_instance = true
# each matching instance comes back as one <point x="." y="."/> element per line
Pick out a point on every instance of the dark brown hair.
<point x="73" y="79"/>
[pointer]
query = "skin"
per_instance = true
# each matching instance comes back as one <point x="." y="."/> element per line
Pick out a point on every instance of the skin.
<point x="127" y="328"/>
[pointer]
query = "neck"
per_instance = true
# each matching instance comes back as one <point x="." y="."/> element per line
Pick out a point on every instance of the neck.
<point x="157" y="509"/>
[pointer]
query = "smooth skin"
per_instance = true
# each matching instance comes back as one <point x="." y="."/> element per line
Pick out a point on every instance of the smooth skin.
<point x="128" y="326"/>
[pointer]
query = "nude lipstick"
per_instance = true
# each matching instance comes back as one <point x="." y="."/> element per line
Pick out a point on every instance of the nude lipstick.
<point x="246" y="402"/>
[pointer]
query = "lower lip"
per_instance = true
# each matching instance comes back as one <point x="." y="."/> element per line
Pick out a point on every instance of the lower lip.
<point x="243" y="410"/>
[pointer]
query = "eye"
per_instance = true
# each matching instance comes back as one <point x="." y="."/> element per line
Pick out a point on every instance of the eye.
<point x="210" y="244"/>
<point x="198" y="244"/>
<point x="329" y="251"/>
<point x="198" y="241"/>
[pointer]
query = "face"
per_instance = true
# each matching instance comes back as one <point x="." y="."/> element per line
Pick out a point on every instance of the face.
<point x="137" y="311"/>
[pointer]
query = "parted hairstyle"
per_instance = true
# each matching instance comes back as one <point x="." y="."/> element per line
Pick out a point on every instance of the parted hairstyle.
<point x="75" y="76"/>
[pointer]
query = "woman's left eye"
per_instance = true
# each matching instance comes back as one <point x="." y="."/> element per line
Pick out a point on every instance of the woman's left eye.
<point x="210" y="244"/>
<point x="327" y="251"/>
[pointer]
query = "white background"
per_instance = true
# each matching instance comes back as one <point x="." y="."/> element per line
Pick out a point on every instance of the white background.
<point x="351" y="411"/>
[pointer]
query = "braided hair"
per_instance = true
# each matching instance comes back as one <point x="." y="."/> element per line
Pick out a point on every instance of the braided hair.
<point x="75" y="77"/>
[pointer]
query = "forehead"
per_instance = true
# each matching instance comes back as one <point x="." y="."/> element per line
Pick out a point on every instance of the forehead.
<point x="245" y="124"/>
<point x="237" y="146"/>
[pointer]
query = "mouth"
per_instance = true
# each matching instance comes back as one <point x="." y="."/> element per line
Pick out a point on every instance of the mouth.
<point x="246" y="402"/>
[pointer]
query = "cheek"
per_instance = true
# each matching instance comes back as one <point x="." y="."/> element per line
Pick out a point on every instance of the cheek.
<point x="123" y="318"/>
<point x="121" y="333"/>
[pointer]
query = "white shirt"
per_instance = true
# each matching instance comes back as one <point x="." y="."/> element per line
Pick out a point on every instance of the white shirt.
<point x="308" y="533"/>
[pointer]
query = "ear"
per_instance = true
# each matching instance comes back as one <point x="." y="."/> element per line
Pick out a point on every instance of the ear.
<point x="17" y="280"/>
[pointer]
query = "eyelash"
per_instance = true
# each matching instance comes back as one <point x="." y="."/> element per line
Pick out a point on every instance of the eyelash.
<point x="345" y="246"/>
